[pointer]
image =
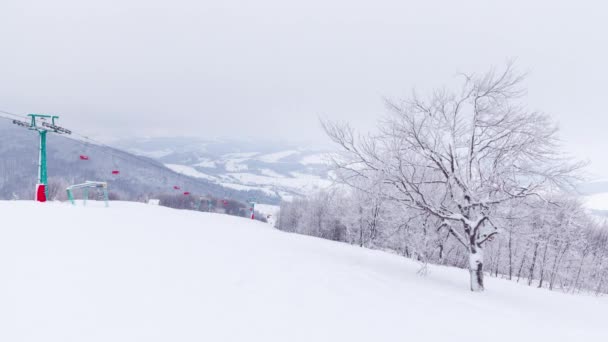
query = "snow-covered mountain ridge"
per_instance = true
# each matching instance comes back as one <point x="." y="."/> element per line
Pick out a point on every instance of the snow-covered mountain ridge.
<point x="595" y="198"/>
<point x="279" y="170"/>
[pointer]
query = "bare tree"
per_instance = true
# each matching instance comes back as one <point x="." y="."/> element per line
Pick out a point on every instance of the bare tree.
<point x="459" y="156"/>
<point x="56" y="189"/>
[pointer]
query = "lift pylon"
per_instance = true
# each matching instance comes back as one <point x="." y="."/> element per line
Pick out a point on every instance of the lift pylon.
<point x="39" y="123"/>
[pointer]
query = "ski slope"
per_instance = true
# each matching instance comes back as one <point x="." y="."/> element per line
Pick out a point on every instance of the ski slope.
<point x="136" y="272"/>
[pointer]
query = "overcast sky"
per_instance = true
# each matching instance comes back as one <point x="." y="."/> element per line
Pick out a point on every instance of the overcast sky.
<point x="270" y="68"/>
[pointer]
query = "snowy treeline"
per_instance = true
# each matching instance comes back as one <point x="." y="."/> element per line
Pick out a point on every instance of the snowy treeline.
<point x="469" y="178"/>
<point x="209" y="204"/>
<point x="555" y="245"/>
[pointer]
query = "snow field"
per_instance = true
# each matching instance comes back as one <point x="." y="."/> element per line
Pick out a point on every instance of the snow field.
<point x="135" y="272"/>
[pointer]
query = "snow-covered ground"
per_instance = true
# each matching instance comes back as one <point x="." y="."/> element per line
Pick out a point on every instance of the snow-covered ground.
<point x="242" y="187"/>
<point x="271" y="212"/>
<point x="189" y="171"/>
<point x="316" y="159"/>
<point x="136" y="272"/>
<point x="304" y="182"/>
<point x="276" y="157"/>
<point x="267" y="181"/>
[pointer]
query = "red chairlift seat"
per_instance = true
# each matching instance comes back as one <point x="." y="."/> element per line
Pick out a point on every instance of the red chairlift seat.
<point x="176" y="187"/>
<point x="115" y="172"/>
<point x="186" y="193"/>
<point x="83" y="157"/>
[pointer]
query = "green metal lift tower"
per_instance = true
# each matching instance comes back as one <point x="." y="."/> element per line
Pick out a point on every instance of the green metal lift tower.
<point x="41" y="124"/>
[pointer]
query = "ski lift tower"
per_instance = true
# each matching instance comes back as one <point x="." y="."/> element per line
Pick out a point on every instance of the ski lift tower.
<point x="39" y="123"/>
<point x="252" y="202"/>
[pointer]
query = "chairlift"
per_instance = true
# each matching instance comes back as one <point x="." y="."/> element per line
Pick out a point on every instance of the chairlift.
<point x="175" y="187"/>
<point x="115" y="170"/>
<point x="186" y="193"/>
<point x="85" y="153"/>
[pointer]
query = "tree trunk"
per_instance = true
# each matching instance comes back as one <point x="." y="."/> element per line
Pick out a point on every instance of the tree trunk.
<point x="457" y="257"/>
<point x="476" y="269"/>
<point x="558" y="260"/>
<point x="521" y="265"/>
<point x="360" y="227"/>
<point x="599" y="271"/>
<point x="542" y="266"/>
<point x="578" y="273"/>
<point x="497" y="260"/>
<point x="531" y="274"/>
<point x="598" y="290"/>
<point x="511" y="255"/>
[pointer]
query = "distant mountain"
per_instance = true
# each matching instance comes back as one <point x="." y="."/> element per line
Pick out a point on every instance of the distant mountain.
<point x="594" y="187"/>
<point x="595" y="197"/>
<point x="139" y="177"/>
<point x="279" y="170"/>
